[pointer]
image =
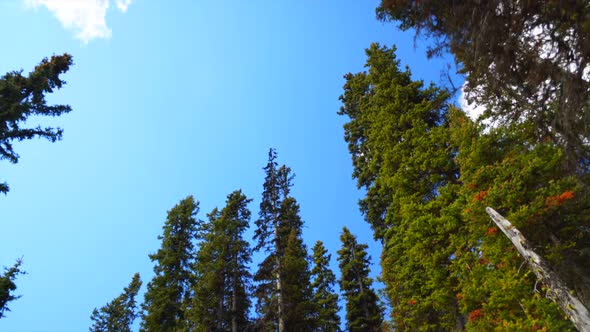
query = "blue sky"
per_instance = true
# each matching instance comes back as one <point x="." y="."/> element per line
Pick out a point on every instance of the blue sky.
<point x="171" y="99"/>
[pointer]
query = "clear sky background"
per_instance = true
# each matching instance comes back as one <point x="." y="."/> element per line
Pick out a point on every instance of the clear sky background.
<point x="172" y="98"/>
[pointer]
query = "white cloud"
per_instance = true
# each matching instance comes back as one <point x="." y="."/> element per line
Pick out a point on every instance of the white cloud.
<point x="472" y="110"/>
<point x="86" y="17"/>
<point x="123" y="5"/>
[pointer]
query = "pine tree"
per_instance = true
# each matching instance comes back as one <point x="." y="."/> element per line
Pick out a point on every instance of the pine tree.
<point x="269" y="305"/>
<point x="221" y="301"/>
<point x="429" y="173"/>
<point x="521" y="59"/>
<point x="168" y="293"/>
<point x="296" y="292"/>
<point x="324" y="297"/>
<point x="400" y="142"/>
<point x="363" y="312"/>
<point x="24" y="96"/>
<point x="7" y="286"/>
<point x="207" y="300"/>
<point x="506" y="169"/>
<point x="119" y="314"/>
<point x="278" y="300"/>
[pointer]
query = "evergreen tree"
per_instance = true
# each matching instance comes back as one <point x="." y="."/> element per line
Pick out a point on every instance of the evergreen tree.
<point x="168" y="293"/>
<point x="24" y="96"/>
<point x="119" y="314"/>
<point x="297" y="292"/>
<point x="429" y="173"/>
<point x="7" y="286"/>
<point x="221" y="301"/>
<point x="399" y="139"/>
<point x="506" y="169"/>
<point x="363" y="312"/>
<point x="324" y="297"/>
<point x="278" y="232"/>
<point x="521" y="59"/>
<point x="270" y="306"/>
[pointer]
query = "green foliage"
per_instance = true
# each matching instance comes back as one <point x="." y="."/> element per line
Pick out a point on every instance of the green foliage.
<point x="363" y="312"/>
<point x="521" y="59"/>
<point x="527" y="182"/>
<point x="268" y="304"/>
<point x="119" y="314"/>
<point x="7" y="286"/>
<point x="399" y="139"/>
<point x="221" y="293"/>
<point x="396" y="136"/>
<point x="296" y="288"/>
<point x="24" y="96"/>
<point x="429" y="174"/>
<point x="283" y="287"/>
<point x="168" y="293"/>
<point x="324" y="297"/>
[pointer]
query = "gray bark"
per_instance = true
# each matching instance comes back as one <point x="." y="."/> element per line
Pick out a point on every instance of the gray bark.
<point x="556" y="288"/>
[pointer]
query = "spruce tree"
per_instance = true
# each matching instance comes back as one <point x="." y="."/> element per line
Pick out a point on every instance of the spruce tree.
<point x="296" y="292"/>
<point x="221" y="301"/>
<point x="207" y="301"/>
<point x="24" y="96"/>
<point x="403" y="156"/>
<point x="168" y="293"/>
<point x="324" y="297"/>
<point x="269" y="304"/>
<point x="278" y="234"/>
<point x="429" y="173"/>
<point x="7" y="286"/>
<point x="528" y="181"/>
<point x="363" y="312"/>
<point x="521" y="59"/>
<point x="119" y="314"/>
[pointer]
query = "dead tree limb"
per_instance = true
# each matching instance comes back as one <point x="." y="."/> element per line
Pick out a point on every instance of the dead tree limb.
<point x="558" y="291"/>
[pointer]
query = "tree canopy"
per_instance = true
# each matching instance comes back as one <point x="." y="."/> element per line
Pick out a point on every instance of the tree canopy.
<point x="119" y="314"/>
<point x="223" y="281"/>
<point x="521" y="60"/>
<point x="24" y="96"/>
<point x="7" y="286"/>
<point x="363" y="311"/>
<point x="324" y="296"/>
<point x="429" y="172"/>
<point x="167" y="296"/>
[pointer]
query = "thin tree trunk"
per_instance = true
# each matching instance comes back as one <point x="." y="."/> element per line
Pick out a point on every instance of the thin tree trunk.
<point x="556" y="289"/>
<point x="234" y="301"/>
<point x="279" y="284"/>
<point x="220" y="314"/>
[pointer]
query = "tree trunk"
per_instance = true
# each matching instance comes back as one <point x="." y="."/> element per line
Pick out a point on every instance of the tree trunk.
<point x="556" y="289"/>
<point x="234" y="300"/>
<point x="279" y="283"/>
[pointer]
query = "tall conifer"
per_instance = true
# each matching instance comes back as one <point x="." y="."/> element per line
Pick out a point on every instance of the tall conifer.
<point x="168" y="294"/>
<point x="400" y="142"/>
<point x="24" y="96"/>
<point x="119" y="314"/>
<point x="296" y="291"/>
<point x="268" y="283"/>
<point x="363" y="312"/>
<point x="221" y="301"/>
<point x="324" y="297"/>
<point x="283" y="289"/>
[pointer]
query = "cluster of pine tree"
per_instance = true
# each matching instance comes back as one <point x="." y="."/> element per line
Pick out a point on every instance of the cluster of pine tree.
<point x="203" y="280"/>
<point x="429" y="170"/>
<point x="21" y="97"/>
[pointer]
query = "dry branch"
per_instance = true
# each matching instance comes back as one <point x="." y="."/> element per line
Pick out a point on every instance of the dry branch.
<point x="556" y="288"/>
